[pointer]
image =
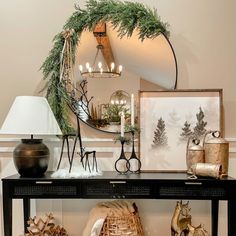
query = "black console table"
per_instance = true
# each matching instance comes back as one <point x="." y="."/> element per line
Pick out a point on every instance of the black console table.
<point x="115" y="186"/>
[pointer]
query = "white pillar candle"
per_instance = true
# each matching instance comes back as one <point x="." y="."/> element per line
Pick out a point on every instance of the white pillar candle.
<point x="122" y="124"/>
<point x="132" y="109"/>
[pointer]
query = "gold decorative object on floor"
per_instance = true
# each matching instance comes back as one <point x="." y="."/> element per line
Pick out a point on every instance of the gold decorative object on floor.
<point x="181" y="222"/>
<point x="40" y="227"/>
<point x="180" y="219"/>
<point x="197" y="231"/>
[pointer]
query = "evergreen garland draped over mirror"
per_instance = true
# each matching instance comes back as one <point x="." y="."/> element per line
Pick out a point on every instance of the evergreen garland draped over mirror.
<point x="58" y="66"/>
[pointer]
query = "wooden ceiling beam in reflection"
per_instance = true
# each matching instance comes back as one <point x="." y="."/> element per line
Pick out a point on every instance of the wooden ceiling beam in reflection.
<point x="103" y="39"/>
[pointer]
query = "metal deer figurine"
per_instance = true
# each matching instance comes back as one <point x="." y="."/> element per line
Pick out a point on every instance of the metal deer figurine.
<point x="197" y="231"/>
<point x="180" y="219"/>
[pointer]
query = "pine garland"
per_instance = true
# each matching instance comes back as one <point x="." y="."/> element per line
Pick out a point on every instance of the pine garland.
<point x="125" y="17"/>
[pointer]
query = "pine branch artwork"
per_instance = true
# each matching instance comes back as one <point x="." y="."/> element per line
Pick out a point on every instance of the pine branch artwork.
<point x="199" y="130"/>
<point x="160" y="137"/>
<point x="186" y="132"/>
<point x="47" y="227"/>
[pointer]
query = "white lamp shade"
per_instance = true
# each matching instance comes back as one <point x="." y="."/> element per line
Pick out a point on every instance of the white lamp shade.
<point x="30" y="115"/>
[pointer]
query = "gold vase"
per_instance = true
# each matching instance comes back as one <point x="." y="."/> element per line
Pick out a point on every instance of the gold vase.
<point x="217" y="151"/>
<point x="207" y="169"/>
<point x="194" y="153"/>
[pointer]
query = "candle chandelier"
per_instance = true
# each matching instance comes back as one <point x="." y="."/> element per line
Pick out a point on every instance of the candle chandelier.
<point x="97" y="69"/>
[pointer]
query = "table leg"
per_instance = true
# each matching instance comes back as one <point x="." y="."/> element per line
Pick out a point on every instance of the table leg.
<point x="62" y="149"/>
<point x="231" y="217"/>
<point x="7" y="210"/>
<point x="26" y="206"/>
<point x="214" y="217"/>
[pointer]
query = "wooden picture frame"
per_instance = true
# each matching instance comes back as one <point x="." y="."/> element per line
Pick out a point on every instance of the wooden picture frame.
<point x="166" y="120"/>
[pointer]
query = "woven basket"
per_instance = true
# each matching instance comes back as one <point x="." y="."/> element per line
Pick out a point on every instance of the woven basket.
<point x="127" y="224"/>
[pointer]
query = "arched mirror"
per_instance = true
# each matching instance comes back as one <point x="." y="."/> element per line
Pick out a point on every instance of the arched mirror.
<point x="147" y="65"/>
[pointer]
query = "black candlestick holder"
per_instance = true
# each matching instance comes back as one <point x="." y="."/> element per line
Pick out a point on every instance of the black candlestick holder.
<point x="134" y="161"/>
<point x="122" y="165"/>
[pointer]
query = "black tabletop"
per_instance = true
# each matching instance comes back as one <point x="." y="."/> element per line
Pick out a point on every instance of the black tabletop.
<point x="112" y="175"/>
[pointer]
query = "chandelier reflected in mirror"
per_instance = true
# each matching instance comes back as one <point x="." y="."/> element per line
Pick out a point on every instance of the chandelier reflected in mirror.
<point x="120" y="97"/>
<point x="97" y="69"/>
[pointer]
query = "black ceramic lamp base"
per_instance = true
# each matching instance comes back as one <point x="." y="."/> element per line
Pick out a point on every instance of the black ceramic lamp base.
<point x="31" y="157"/>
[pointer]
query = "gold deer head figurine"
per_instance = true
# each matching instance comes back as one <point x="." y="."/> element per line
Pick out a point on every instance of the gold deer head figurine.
<point x="180" y="219"/>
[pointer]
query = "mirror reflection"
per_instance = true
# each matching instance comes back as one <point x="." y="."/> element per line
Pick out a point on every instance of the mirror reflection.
<point x="147" y="65"/>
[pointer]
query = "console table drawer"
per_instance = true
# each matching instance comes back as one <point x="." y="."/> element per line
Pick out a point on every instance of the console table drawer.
<point x="191" y="192"/>
<point x="117" y="189"/>
<point x="46" y="190"/>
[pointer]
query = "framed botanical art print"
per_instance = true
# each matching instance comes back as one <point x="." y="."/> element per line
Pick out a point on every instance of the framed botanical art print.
<point x="169" y="118"/>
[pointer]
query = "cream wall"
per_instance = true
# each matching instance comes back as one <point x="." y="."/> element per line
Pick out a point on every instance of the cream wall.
<point x="203" y="36"/>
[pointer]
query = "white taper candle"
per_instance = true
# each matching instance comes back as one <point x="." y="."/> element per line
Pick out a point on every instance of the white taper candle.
<point x="132" y="109"/>
<point x="122" y="124"/>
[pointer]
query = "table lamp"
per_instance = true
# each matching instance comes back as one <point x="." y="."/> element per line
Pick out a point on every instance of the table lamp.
<point x="31" y="115"/>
